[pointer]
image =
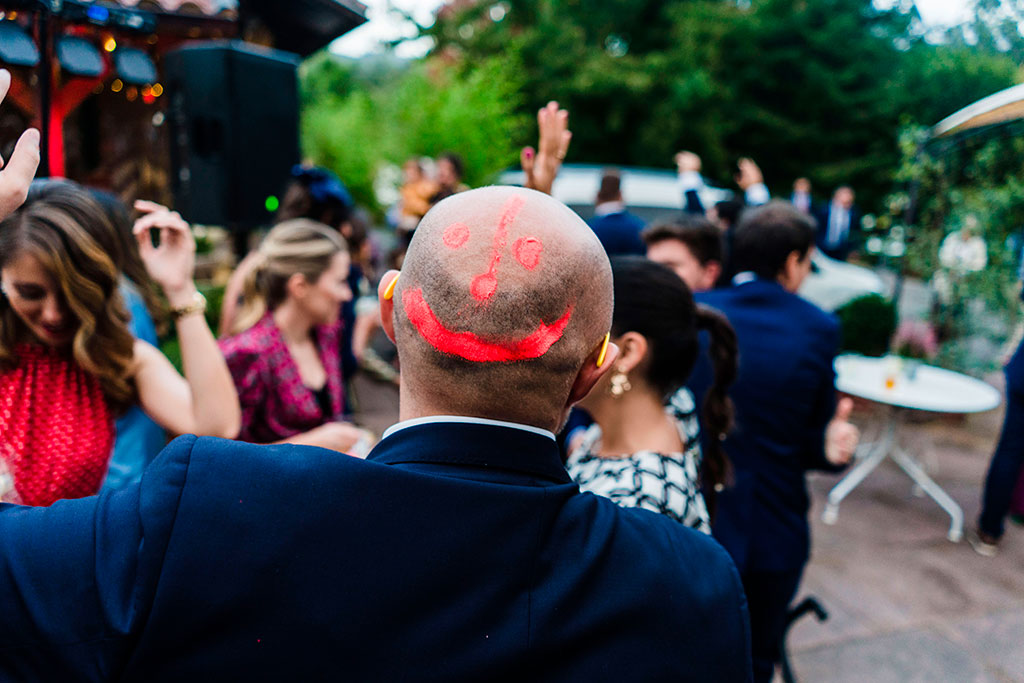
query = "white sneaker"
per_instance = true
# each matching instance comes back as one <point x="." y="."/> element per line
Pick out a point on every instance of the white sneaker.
<point x="983" y="544"/>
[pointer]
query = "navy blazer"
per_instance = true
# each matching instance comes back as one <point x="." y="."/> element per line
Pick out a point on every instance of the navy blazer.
<point x="823" y="215"/>
<point x="456" y="552"/>
<point x="784" y="397"/>
<point x="619" y="233"/>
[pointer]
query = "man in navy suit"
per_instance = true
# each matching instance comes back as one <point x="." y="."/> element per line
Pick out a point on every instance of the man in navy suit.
<point x="618" y="229"/>
<point x="786" y="420"/>
<point x="459" y="550"/>
<point x="839" y="225"/>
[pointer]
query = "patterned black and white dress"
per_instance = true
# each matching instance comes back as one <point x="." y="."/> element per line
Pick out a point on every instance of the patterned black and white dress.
<point x="667" y="483"/>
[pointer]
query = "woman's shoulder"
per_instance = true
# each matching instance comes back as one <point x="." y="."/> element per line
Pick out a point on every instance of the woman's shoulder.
<point x="254" y="341"/>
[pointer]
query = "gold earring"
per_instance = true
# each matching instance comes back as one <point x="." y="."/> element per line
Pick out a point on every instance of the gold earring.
<point x="620" y="384"/>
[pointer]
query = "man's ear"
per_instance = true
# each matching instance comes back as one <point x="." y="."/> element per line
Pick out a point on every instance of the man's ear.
<point x="712" y="271"/>
<point x="590" y="373"/>
<point x="385" y="295"/>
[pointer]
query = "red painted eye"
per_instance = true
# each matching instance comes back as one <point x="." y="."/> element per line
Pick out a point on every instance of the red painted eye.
<point x="528" y="251"/>
<point x="455" y="235"/>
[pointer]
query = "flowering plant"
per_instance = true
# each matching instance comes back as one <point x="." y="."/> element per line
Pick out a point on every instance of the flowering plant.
<point x="915" y="339"/>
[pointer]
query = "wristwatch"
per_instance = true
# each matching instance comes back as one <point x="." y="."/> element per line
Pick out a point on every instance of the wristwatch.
<point x="197" y="305"/>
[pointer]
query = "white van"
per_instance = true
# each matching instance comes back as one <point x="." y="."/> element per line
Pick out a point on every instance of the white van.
<point x="653" y="195"/>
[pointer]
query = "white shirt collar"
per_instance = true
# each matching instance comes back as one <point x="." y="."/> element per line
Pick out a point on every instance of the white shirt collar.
<point x="605" y="208"/>
<point x="462" y="419"/>
<point x="743" y="278"/>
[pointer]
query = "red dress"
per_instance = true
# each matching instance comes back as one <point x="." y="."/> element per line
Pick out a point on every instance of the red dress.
<point x="56" y="429"/>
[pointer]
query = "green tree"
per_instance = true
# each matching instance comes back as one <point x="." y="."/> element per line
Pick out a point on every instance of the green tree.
<point x="355" y="123"/>
<point x="812" y="87"/>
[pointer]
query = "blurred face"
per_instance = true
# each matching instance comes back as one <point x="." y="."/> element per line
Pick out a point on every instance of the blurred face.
<point x="677" y="256"/>
<point x="844" y="197"/>
<point x="802" y="185"/>
<point x="37" y="300"/>
<point x="446" y="173"/>
<point x="323" y="300"/>
<point x="412" y="172"/>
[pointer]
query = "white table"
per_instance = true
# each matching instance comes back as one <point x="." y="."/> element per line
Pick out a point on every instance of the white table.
<point x="932" y="389"/>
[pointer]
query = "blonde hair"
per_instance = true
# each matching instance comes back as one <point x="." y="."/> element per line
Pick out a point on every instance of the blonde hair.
<point x="296" y="246"/>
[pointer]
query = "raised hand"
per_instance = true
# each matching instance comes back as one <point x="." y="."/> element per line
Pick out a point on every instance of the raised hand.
<point x="749" y="174"/>
<point x="687" y="162"/>
<point x="541" y="167"/>
<point x="172" y="262"/>
<point x="841" y="437"/>
<point x="16" y="177"/>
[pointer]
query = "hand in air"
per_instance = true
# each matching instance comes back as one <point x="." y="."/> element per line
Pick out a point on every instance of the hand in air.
<point x="841" y="437"/>
<point x="750" y="174"/>
<point x="687" y="162"/>
<point x="17" y="175"/>
<point x="171" y="263"/>
<point x="541" y="167"/>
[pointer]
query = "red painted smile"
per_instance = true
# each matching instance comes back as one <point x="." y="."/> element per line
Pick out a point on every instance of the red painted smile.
<point x="471" y="347"/>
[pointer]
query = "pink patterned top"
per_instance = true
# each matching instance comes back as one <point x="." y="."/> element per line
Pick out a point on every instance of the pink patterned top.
<point x="275" y="403"/>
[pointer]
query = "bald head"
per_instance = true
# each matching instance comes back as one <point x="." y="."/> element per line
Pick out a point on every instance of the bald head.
<point x="504" y="294"/>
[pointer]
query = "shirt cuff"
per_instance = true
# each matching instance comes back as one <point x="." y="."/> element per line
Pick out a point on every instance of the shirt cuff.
<point x="758" y="194"/>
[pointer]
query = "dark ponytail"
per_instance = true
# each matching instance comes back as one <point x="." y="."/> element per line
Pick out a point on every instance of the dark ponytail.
<point x="717" y="409"/>
<point x="652" y="300"/>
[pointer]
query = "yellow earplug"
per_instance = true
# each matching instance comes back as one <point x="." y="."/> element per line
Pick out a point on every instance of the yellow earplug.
<point x="604" y="349"/>
<point x="390" y="291"/>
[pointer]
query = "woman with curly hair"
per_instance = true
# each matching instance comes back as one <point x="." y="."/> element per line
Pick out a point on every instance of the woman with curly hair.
<point x="68" y="362"/>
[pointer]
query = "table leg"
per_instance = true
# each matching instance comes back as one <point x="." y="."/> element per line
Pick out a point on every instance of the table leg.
<point x="909" y="465"/>
<point x="848" y="483"/>
<point x="876" y="453"/>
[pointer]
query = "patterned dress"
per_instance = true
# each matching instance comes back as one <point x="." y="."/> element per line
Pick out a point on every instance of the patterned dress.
<point x="275" y="403"/>
<point x="667" y="483"/>
<point x="56" y="429"/>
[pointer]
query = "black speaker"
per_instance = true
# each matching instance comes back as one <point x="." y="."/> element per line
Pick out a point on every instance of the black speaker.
<point x="234" y="130"/>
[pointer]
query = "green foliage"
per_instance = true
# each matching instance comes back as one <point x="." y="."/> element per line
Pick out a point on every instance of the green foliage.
<point x="814" y="87"/>
<point x="867" y="324"/>
<point x="423" y="109"/>
<point x="981" y="176"/>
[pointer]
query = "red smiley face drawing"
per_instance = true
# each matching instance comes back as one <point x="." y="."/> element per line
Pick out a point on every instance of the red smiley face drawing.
<point x="528" y="252"/>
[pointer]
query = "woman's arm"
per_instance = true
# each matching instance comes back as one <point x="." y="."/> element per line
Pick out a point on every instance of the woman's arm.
<point x="337" y="436"/>
<point x="204" y="402"/>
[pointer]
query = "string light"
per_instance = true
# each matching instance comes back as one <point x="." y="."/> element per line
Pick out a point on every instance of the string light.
<point x="158" y="90"/>
<point x="110" y="45"/>
<point x="117" y="85"/>
<point x="132" y="93"/>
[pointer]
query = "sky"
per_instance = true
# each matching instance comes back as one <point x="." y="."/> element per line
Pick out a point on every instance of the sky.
<point x="384" y="25"/>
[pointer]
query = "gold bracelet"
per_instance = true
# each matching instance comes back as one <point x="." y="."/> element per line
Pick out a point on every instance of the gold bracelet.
<point x="197" y="305"/>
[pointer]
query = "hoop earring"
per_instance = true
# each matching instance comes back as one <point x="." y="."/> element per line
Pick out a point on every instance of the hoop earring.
<point x="620" y="384"/>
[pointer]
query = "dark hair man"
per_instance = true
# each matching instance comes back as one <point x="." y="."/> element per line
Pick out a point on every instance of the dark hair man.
<point x="691" y="246"/>
<point x="786" y="416"/>
<point x="459" y="550"/>
<point x="618" y="229"/>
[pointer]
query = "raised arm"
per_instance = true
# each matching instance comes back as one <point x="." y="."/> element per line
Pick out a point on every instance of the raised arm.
<point x="17" y="175"/>
<point x="204" y="402"/>
<point x="541" y="167"/>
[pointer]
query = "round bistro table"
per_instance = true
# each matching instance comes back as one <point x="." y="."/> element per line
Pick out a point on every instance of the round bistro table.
<point x="904" y="386"/>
